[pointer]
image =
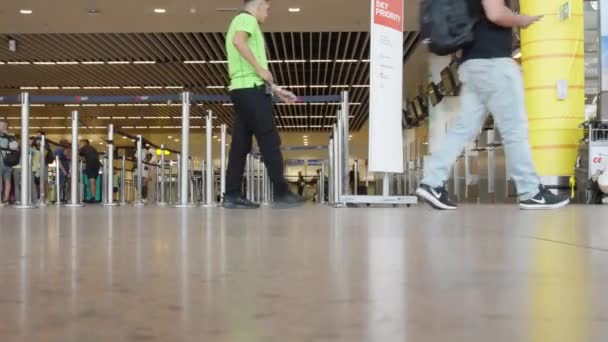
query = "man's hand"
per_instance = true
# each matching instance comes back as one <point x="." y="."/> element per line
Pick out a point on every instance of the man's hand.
<point x="265" y="75"/>
<point x="284" y="95"/>
<point x="525" y="21"/>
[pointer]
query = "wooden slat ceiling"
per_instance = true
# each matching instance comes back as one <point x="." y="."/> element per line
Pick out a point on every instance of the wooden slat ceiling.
<point x="309" y="63"/>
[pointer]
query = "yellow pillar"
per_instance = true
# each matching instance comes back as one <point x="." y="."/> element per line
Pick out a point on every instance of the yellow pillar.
<point x="553" y="50"/>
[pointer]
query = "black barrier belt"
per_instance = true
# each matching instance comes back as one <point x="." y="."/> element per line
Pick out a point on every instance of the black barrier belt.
<point x="145" y="141"/>
<point x="133" y="160"/>
<point x="50" y="99"/>
<point x="104" y="99"/>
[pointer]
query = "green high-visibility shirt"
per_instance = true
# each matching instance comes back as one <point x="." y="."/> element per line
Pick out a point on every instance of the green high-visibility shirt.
<point x="242" y="74"/>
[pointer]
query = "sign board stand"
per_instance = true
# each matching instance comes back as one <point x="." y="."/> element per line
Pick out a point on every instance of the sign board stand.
<point x="386" y="95"/>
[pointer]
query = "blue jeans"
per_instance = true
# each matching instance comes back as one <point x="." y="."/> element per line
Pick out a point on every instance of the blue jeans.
<point x="490" y="86"/>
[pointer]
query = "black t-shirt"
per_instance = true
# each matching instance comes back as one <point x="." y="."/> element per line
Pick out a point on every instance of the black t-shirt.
<point x="491" y="40"/>
<point x="91" y="157"/>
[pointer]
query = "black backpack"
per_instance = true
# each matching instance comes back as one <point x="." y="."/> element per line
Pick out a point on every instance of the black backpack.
<point x="446" y="26"/>
<point x="11" y="158"/>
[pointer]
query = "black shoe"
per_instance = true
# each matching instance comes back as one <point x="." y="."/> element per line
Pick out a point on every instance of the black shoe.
<point x="288" y="200"/>
<point x="436" y="197"/>
<point x="545" y="200"/>
<point x="238" y="202"/>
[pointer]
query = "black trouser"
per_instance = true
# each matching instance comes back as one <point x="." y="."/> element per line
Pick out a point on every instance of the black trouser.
<point x="253" y="116"/>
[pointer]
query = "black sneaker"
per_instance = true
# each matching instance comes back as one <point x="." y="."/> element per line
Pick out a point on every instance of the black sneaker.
<point x="436" y="197"/>
<point x="288" y="200"/>
<point x="545" y="200"/>
<point x="238" y="202"/>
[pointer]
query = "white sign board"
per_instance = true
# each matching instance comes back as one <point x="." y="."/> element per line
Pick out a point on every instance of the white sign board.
<point x="386" y="87"/>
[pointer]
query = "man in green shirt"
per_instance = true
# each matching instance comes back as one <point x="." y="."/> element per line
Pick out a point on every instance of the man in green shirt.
<point x="251" y="90"/>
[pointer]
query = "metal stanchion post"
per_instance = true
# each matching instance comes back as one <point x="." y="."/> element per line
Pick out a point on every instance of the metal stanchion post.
<point x="74" y="166"/>
<point x="343" y="123"/>
<point x="171" y="199"/>
<point x="249" y="177"/>
<point x="203" y="182"/>
<point x="331" y="171"/>
<point x="104" y="181"/>
<point x="223" y="161"/>
<point x="191" y="180"/>
<point x="82" y="185"/>
<point x="336" y="169"/>
<point x="322" y="184"/>
<point x="123" y="173"/>
<point x="259" y="179"/>
<point x="264" y="185"/>
<point x="209" y="161"/>
<point x="110" y="170"/>
<point x="178" y="180"/>
<point x="162" y="202"/>
<point x="26" y="166"/>
<point x="140" y="168"/>
<point x="185" y="154"/>
<point x="58" y="189"/>
<point x="356" y="175"/>
<point x="43" y="172"/>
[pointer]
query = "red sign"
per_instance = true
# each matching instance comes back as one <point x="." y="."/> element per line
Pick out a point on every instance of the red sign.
<point x="598" y="160"/>
<point x="389" y="13"/>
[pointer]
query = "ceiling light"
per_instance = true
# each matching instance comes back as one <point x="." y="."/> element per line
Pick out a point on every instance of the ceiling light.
<point x="321" y="61"/>
<point x="49" y="88"/>
<point x="28" y="88"/>
<point x="176" y="140"/>
<point x="319" y="86"/>
<point x="294" y="9"/>
<point x="160" y="10"/>
<point x="305" y="136"/>
<point x="218" y="62"/>
<point x="174" y="87"/>
<point x="93" y="62"/>
<point x="144" y="62"/>
<point x="131" y="87"/>
<point x="275" y="61"/>
<point x="18" y="63"/>
<point x="67" y="63"/>
<point x="296" y="61"/>
<point x="170" y="137"/>
<point x="153" y="87"/>
<point x="195" y="62"/>
<point x="216" y="87"/>
<point x="124" y="137"/>
<point x="112" y="87"/>
<point x="346" y="61"/>
<point x="26" y="11"/>
<point x="44" y="63"/>
<point x="119" y="62"/>
<point x="69" y="88"/>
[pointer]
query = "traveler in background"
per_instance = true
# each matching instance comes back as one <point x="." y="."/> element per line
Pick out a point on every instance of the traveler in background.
<point x="91" y="159"/>
<point x="64" y="167"/>
<point x="36" y="167"/>
<point x="152" y="173"/>
<point x="7" y="142"/>
<point x="251" y="90"/>
<point x="492" y="82"/>
<point x="301" y="184"/>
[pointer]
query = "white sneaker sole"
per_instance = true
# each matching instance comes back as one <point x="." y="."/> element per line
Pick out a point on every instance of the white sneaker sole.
<point x="544" y="206"/>
<point x="432" y="200"/>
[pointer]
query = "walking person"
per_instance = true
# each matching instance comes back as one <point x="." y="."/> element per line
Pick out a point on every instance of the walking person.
<point x="64" y="167"/>
<point x="7" y="144"/>
<point x="492" y="82"/>
<point x="92" y="166"/>
<point x="251" y="89"/>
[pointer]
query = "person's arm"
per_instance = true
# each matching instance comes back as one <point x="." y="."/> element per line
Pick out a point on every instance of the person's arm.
<point x="501" y="15"/>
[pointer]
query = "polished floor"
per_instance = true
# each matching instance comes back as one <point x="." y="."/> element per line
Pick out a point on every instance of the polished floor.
<point x="487" y="273"/>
